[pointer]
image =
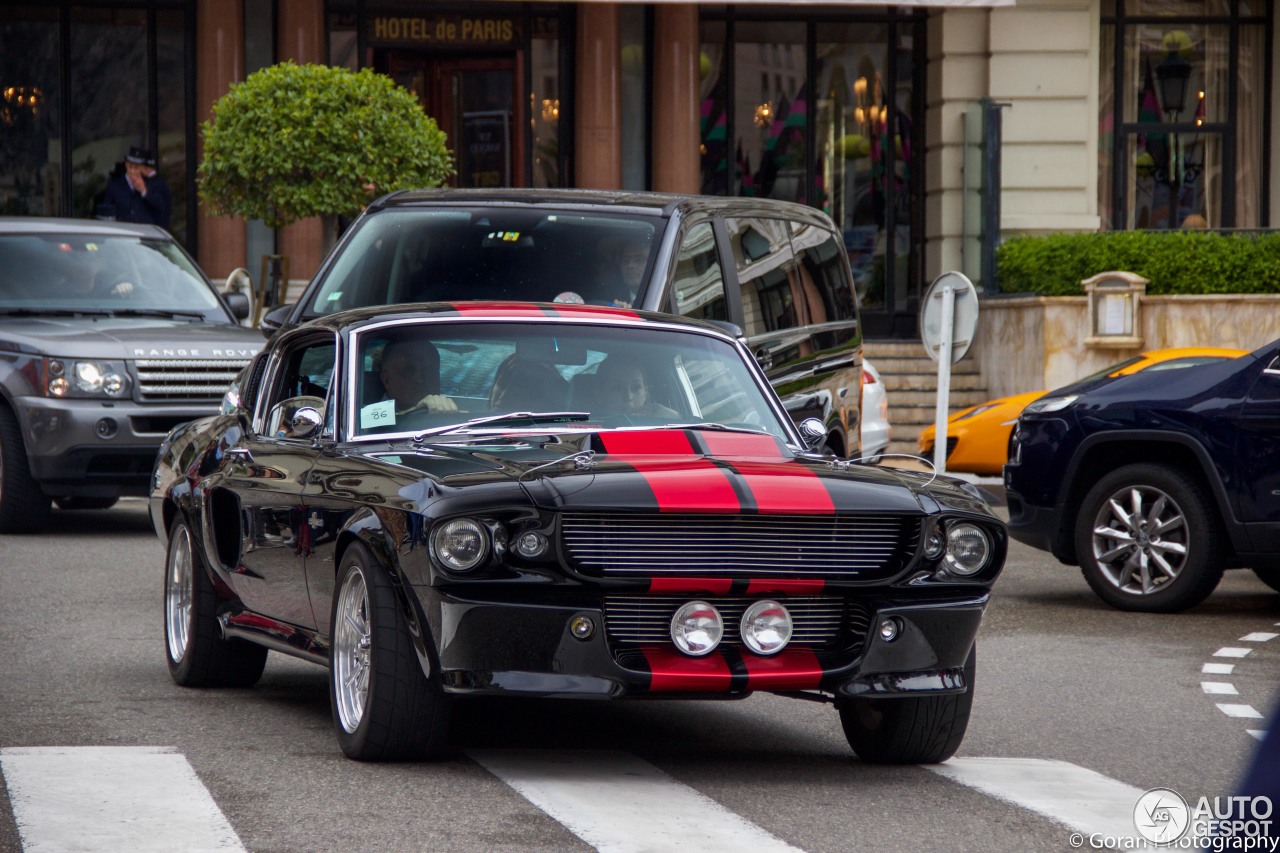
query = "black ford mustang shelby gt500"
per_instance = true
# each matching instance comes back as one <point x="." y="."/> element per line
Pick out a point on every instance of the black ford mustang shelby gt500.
<point x="442" y="501"/>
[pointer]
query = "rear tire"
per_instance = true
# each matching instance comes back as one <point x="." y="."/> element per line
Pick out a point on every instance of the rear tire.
<point x="1148" y="540"/>
<point x="915" y="730"/>
<point x="384" y="707"/>
<point x="24" y="507"/>
<point x="196" y="653"/>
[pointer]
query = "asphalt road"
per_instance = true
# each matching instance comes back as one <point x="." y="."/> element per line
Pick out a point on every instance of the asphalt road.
<point x="1061" y="678"/>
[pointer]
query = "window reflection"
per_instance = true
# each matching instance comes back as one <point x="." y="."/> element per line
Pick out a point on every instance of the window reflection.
<point x="29" y="115"/>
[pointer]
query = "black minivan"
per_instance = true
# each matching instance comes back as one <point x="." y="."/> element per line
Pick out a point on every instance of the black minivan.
<point x="778" y="271"/>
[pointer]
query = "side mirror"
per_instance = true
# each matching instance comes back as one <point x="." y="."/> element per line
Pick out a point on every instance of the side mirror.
<point x="238" y="303"/>
<point x="305" y="422"/>
<point x="813" y="432"/>
<point x="274" y="319"/>
<point x="238" y="293"/>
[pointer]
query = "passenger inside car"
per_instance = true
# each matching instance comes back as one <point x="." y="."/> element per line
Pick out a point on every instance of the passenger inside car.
<point x="624" y="389"/>
<point x="522" y="385"/>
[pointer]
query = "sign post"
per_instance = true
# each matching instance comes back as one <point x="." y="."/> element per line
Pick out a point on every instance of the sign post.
<point x="948" y="318"/>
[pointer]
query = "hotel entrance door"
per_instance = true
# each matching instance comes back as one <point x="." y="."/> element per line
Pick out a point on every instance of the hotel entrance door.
<point x="476" y="103"/>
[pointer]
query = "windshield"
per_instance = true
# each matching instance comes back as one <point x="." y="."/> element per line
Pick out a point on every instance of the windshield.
<point x="503" y="253"/>
<point x="117" y="274"/>
<point x="410" y="378"/>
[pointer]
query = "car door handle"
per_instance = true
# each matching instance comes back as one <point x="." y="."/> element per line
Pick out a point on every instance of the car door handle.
<point x="241" y="453"/>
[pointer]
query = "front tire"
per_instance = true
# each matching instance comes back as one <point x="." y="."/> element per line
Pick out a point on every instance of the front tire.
<point x="24" y="507"/>
<point x="915" y="730"/>
<point x="1149" y="540"/>
<point x="384" y="707"/>
<point x="196" y="654"/>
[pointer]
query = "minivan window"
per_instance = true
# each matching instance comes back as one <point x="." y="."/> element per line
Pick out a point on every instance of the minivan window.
<point x="766" y="274"/>
<point x="828" y="297"/>
<point x="698" y="284"/>
<point x="496" y="252"/>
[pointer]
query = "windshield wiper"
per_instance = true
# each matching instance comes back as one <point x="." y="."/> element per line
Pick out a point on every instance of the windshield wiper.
<point x="53" y="312"/>
<point x="154" y="312"/>
<point x="533" y="417"/>
<point x="708" y="425"/>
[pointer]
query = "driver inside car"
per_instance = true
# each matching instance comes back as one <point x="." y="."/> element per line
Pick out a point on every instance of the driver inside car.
<point x="410" y="374"/>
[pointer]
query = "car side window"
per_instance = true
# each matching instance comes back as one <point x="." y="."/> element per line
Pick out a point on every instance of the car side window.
<point x="827" y="290"/>
<point x="302" y="380"/>
<point x="767" y="274"/>
<point x="698" y="286"/>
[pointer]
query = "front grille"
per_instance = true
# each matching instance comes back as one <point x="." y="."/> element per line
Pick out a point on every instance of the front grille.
<point x="185" y="378"/>
<point x="646" y="619"/>
<point x="863" y="547"/>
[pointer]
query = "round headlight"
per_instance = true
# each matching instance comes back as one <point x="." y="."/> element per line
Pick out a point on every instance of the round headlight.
<point x="968" y="549"/>
<point x="766" y="627"/>
<point x="933" y="545"/>
<point x="461" y="544"/>
<point x="88" y="376"/>
<point x="697" y="628"/>
<point x="59" y="387"/>
<point x="113" y="383"/>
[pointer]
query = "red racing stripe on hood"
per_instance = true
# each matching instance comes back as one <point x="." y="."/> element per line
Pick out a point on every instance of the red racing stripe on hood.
<point x="499" y="309"/>
<point x="681" y="480"/>
<point x="793" y="668"/>
<point x="778" y="483"/>
<point x="674" y="672"/>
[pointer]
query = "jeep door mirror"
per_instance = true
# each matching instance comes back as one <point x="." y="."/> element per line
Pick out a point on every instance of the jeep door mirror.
<point x="274" y="319"/>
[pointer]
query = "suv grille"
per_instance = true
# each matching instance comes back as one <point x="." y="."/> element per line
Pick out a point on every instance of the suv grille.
<point x="185" y="378"/>
<point x="863" y="547"/>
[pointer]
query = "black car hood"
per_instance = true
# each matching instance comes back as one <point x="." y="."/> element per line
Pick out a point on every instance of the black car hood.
<point x="1181" y="382"/>
<point x="128" y="337"/>
<point x="690" y="471"/>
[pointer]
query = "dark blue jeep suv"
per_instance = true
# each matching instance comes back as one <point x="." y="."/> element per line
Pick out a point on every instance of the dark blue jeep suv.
<point x="1155" y="482"/>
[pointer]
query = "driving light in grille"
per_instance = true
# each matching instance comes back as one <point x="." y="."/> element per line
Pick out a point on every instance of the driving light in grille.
<point x="531" y="545"/>
<point x="461" y="544"/>
<point x="766" y="627"/>
<point x="968" y="549"/>
<point x="933" y="545"/>
<point x="697" y="628"/>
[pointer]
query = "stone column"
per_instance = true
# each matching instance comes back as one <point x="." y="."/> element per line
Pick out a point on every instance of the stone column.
<point x="676" y="162"/>
<point x="219" y="63"/>
<point x="598" y="107"/>
<point x="300" y="37"/>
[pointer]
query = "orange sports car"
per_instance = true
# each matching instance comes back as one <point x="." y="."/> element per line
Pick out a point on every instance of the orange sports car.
<point x="978" y="437"/>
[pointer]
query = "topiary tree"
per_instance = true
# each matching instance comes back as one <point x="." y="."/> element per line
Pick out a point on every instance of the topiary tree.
<point x="294" y="141"/>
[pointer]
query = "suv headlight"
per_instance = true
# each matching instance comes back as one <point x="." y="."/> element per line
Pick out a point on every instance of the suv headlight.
<point x="1049" y="404"/>
<point x="83" y="378"/>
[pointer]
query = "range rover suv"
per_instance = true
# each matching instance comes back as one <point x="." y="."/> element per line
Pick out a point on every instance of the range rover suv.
<point x="775" y="270"/>
<point x="110" y="336"/>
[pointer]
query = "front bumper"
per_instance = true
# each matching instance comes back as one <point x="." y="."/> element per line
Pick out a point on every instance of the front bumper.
<point x="505" y="648"/>
<point x="97" y="448"/>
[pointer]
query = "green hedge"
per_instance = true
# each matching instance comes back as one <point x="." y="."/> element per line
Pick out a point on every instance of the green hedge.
<point x="1173" y="261"/>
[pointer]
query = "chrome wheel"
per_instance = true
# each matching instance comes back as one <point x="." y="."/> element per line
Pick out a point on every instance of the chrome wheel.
<point x="178" y="600"/>
<point x="1140" y="540"/>
<point x="352" y="637"/>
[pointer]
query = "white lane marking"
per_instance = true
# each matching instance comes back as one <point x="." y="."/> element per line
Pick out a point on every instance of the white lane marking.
<point x="1259" y="734"/>
<point x="1245" y="712"/>
<point x="1218" y="668"/>
<point x="1220" y="688"/>
<point x="1258" y="637"/>
<point x="1230" y="652"/>
<point x="618" y="803"/>
<point x="1082" y="799"/>
<point x="144" y="799"/>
